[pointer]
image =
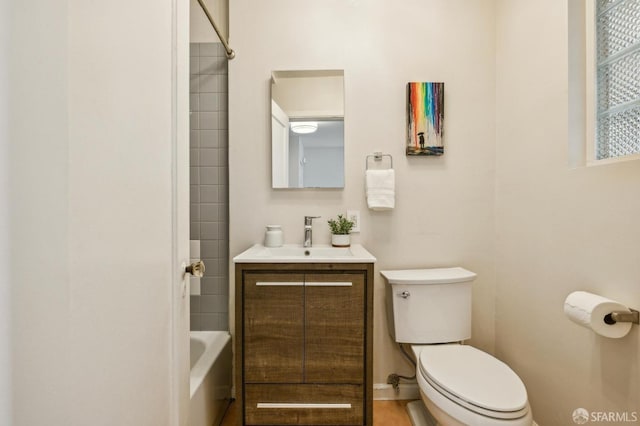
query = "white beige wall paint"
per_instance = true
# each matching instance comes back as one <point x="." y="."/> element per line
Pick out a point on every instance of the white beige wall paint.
<point x="200" y="28"/>
<point x="558" y="229"/>
<point x="444" y="213"/>
<point x="38" y="212"/>
<point x="5" y="295"/>
<point x="320" y="96"/>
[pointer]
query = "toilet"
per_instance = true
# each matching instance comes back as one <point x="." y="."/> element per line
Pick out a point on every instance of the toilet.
<point x="430" y="309"/>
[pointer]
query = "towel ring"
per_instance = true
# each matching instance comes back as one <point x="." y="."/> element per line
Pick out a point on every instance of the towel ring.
<point x="377" y="156"/>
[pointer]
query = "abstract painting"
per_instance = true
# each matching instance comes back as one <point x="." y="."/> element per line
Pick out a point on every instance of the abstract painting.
<point x="425" y="118"/>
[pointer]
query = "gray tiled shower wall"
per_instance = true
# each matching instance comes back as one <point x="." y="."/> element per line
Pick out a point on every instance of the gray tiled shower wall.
<point x="209" y="183"/>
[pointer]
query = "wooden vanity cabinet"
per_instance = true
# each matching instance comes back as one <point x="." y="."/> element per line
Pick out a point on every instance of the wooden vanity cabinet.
<point x="304" y="343"/>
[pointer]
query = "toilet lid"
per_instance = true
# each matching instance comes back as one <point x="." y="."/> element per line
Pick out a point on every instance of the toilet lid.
<point x="474" y="379"/>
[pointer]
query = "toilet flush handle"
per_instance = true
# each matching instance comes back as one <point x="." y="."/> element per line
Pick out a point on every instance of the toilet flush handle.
<point x="404" y="294"/>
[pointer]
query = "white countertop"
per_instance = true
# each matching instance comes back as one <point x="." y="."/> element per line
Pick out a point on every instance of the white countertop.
<point x="295" y="253"/>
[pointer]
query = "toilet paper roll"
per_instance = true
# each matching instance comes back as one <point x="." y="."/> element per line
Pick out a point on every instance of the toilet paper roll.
<point x="589" y="310"/>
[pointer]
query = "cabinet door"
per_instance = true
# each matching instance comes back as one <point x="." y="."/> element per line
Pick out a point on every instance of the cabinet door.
<point x="273" y="327"/>
<point x="334" y="328"/>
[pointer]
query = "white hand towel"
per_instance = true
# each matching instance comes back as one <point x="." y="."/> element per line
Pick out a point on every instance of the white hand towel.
<point x="380" y="189"/>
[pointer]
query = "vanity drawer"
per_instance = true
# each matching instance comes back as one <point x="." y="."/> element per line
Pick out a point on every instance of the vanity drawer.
<point x="304" y="404"/>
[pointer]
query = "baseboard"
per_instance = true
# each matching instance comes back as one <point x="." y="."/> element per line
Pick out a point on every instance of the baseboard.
<point x="383" y="391"/>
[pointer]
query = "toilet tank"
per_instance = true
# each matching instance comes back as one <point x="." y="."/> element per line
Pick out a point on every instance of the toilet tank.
<point x="429" y="305"/>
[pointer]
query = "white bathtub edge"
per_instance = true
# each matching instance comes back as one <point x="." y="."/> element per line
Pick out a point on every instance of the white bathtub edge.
<point x="215" y="342"/>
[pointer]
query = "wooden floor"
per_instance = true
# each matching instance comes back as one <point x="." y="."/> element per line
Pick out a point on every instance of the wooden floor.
<point x="384" y="413"/>
<point x="390" y="413"/>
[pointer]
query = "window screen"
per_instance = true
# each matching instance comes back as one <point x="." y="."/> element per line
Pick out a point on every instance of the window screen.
<point x="618" y="78"/>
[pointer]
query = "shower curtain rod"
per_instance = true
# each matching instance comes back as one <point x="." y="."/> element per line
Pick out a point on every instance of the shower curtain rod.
<point x="230" y="53"/>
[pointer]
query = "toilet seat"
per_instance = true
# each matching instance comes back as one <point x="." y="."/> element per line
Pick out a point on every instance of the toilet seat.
<point x="474" y="380"/>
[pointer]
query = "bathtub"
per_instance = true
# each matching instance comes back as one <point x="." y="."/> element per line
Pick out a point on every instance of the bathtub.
<point x="210" y="379"/>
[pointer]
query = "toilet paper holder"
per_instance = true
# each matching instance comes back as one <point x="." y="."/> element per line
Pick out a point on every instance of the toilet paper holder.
<point x="622" y="316"/>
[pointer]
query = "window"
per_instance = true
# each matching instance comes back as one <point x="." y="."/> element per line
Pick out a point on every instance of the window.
<point x="616" y="72"/>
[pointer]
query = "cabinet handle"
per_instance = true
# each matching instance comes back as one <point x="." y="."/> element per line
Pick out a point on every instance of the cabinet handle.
<point x="280" y="283"/>
<point x="328" y="284"/>
<point x="298" y="406"/>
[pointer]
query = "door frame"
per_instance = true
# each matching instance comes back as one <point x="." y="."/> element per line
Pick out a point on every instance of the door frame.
<point x="179" y="327"/>
<point x="279" y="146"/>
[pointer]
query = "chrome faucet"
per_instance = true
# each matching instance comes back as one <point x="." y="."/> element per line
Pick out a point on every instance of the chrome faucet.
<point x="308" y="237"/>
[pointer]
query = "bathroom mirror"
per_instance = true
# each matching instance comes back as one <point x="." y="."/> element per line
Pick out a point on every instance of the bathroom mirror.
<point x="307" y="129"/>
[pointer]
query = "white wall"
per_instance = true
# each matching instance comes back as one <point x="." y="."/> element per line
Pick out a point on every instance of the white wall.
<point x="559" y="229"/>
<point x="200" y="27"/>
<point x="38" y="166"/>
<point x="90" y="212"/>
<point x="314" y="96"/>
<point x="444" y="214"/>
<point x="323" y="167"/>
<point x="5" y="302"/>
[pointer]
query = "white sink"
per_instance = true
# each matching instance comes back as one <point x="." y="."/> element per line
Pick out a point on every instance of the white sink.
<point x="292" y="253"/>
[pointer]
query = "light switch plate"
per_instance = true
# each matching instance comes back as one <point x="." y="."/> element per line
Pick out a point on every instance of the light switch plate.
<point x="354" y="215"/>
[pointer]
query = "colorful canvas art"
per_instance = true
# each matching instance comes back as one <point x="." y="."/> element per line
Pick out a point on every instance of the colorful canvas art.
<point x="425" y="118"/>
